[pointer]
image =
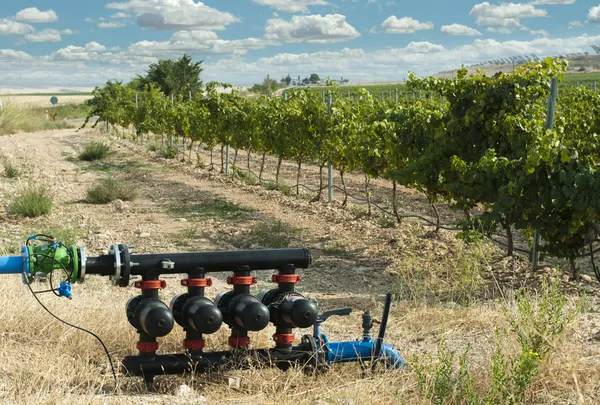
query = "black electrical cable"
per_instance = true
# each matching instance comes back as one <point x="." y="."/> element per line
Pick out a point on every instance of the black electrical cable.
<point x="112" y="367"/>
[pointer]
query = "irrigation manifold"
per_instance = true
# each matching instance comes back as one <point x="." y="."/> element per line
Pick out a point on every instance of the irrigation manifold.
<point x="237" y="308"/>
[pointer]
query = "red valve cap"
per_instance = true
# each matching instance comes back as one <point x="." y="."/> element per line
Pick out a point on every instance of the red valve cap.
<point x="284" y="339"/>
<point x="243" y="341"/>
<point x="147" y="346"/>
<point x="193" y="344"/>
<point x="151" y="284"/>
<point x="196" y="282"/>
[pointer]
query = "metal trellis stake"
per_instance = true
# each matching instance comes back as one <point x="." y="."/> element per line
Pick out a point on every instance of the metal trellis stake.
<point x="329" y="166"/>
<point x="550" y="126"/>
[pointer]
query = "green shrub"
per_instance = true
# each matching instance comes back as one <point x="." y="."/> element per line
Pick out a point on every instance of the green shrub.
<point x="94" y="151"/>
<point x="108" y="190"/>
<point x="10" y="172"/>
<point x="535" y="328"/>
<point x="31" y="203"/>
<point x="167" y="152"/>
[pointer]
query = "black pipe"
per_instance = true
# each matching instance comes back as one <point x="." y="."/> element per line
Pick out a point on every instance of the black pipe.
<point x="265" y="259"/>
<point x="166" y="364"/>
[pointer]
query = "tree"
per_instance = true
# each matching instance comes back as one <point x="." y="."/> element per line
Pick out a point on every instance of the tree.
<point x="314" y="78"/>
<point x="288" y="80"/>
<point x="266" y="87"/>
<point x="172" y="76"/>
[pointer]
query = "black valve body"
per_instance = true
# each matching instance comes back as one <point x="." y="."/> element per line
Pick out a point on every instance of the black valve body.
<point x="150" y="316"/>
<point x="290" y="310"/>
<point x="243" y="311"/>
<point x="197" y="313"/>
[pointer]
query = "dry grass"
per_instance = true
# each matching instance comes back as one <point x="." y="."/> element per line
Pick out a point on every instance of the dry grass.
<point x="19" y="116"/>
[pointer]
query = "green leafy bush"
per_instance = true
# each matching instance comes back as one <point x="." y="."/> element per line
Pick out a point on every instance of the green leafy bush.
<point x="108" y="190"/>
<point x="31" y="203"/>
<point x="94" y="151"/>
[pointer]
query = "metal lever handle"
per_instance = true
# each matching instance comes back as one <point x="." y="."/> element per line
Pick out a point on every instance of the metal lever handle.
<point x="339" y="311"/>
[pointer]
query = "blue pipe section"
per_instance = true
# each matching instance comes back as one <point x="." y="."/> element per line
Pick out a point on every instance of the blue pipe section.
<point x="11" y="264"/>
<point x="361" y="350"/>
<point x="14" y="264"/>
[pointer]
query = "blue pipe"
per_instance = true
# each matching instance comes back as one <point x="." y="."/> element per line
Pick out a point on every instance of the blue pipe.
<point x="361" y="350"/>
<point x="11" y="264"/>
<point x="14" y="264"/>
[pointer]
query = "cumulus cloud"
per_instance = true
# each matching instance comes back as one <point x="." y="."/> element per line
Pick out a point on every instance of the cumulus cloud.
<point x="94" y="47"/>
<point x="9" y="27"/>
<point x="291" y="6"/>
<point x="404" y="25"/>
<point x="33" y="15"/>
<point x="459" y="29"/>
<point x="205" y="42"/>
<point x="575" y="24"/>
<point x="111" y="24"/>
<point x="120" y="14"/>
<point x="538" y="2"/>
<point x="176" y="14"/>
<point x="10" y="55"/>
<point x="47" y="35"/>
<point x="319" y="29"/>
<point x="594" y="14"/>
<point x="506" y="17"/>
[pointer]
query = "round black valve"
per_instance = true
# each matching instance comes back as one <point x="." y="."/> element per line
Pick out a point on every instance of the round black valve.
<point x="243" y="311"/>
<point x="197" y="313"/>
<point x="290" y="310"/>
<point x="150" y="315"/>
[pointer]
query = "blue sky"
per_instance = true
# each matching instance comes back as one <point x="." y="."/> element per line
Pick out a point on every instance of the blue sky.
<point x="80" y="44"/>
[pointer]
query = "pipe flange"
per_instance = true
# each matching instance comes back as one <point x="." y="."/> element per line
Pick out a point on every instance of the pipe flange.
<point x="115" y="251"/>
<point x="82" y="264"/>
<point x="126" y="266"/>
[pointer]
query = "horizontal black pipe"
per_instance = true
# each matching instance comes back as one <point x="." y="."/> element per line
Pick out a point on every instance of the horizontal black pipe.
<point x="265" y="259"/>
<point x="168" y="364"/>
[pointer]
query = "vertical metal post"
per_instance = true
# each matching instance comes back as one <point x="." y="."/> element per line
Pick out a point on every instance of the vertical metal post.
<point x="329" y="166"/>
<point x="594" y="87"/>
<point x="396" y="97"/>
<point x="172" y="99"/>
<point x="190" y="95"/>
<point x="382" y="96"/>
<point x="226" y="160"/>
<point x="549" y="125"/>
<point x="171" y="141"/>
<point x="136" y="101"/>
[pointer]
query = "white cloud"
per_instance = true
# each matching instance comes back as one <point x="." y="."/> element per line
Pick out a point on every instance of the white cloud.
<point x="67" y="32"/>
<point x="120" y="14"/>
<point x="10" y="55"/>
<point x="404" y="25"/>
<point x="291" y="6"/>
<point x="505" y="17"/>
<point x="205" y="42"/>
<point x="319" y="29"/>
<point x="112" y="24"/>
<point x="459" y="29"/>
<point x="538" y="2"/>
<point x="47" y="35"/>
<point x="594" y="14"/>
<point x="176" y="14"/>
<point x="9" y="27"/>
<point x="575" y="24"/>
<point x="94" y="47"/>
<point x="34" y="15"/>
<point x="542" y="33"/>
<point x="88" y="20"/>
<point x="71" y="54"/>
